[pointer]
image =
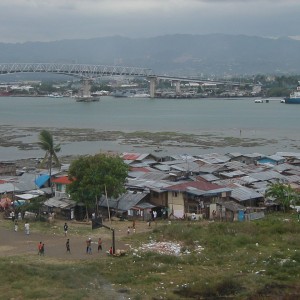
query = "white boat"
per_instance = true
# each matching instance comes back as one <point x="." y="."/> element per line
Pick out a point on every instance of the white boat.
<point x="55" y="95"/>
<point x="258" y="101"/>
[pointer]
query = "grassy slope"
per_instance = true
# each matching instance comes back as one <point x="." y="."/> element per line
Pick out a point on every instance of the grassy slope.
<point x="250" y="260"/>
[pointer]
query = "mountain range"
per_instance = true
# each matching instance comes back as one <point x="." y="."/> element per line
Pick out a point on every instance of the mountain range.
<point x="180" y="54"/>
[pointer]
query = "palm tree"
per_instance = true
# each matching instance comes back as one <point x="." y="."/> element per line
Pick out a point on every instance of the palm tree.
<point x="46" y="143"/>
<point x="283" y="193"/>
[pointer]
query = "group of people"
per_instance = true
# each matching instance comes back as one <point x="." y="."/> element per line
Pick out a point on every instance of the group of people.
<point x="89" y="245"/>
<point x="41" y="246"/>
<point x="26" y="227"/>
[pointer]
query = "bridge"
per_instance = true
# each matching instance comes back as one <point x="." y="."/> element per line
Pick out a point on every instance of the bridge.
<point x="80" y="70"/>
<point x="89" y="72"/>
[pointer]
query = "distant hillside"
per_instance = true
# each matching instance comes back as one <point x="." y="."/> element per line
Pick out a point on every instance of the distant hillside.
<point x="172" y="54"/>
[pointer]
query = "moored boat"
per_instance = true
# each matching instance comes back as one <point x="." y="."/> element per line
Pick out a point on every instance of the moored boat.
<point x="294" y="97"/>
<point x="87" y="98"/>
<point x="55" y="95"/>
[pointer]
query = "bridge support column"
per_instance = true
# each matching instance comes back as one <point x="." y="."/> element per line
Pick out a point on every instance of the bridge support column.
<point x="152" y="86"/>
<point x="177" y="87"/>
<point x="86" y="87"/>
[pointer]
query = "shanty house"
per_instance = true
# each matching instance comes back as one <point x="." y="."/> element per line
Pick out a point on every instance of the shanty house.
<point x="195" y="198"/>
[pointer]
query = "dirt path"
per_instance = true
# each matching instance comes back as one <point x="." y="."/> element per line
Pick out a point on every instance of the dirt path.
<point x="18" y="243"/>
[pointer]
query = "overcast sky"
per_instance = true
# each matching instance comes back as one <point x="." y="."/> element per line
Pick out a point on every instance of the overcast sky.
<point x="49" y="20"/>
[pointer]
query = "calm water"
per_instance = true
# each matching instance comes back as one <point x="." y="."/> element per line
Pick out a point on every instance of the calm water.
<point x="228" y="117"/>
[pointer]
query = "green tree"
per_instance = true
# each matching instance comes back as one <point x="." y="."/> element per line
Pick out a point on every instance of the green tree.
<point x="46" y="143"/>
<point x="284" y="194"/>
<point x="94" y="176"/>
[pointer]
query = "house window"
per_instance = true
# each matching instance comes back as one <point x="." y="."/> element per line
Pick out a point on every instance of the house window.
<point x="59" y="187"/>
<point x="174" y="194"/>
<point x="192" y="208"/>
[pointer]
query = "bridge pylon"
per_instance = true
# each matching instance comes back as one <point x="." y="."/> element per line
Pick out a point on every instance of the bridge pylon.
<point x="153" y="81"/>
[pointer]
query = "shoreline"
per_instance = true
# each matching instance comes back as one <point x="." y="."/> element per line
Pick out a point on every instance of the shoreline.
<point x="85" y="141"/>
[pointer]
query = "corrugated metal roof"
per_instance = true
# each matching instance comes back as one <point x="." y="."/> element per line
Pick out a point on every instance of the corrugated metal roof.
<point x="25" y="182"/>
<point x="7" y="188"/>
<point x="248" y="179"/>
<point x="229" y="181"/>
<point x="209" y="168"/>
<point x="284" y="167"/>
<point x="214" y="158"/>
<point x="243" y="193"/>
<point x="197" y="192"/>
<point x="154" y="176"/>
<point x="124" y="202"/>
<point x="288" y="154"/>
<point x="156" y="186"/>
<point x="232" y="174"/>
<point x="134" y="156"/>
<point x="235" y="165"/>
<point x="27" y="196"/>
<point x="140" y="169"/>
<point x="248" y="155"/>
<point x="293" y="178"/>
<point x="162" y="167"/>
<point x="201" y="185"/>
<point x="276" y="157"/>
<point x="135" y="174"/>
<point x="60" y="203"/>
<point x="267" y="175"/>
<point x="209" y="177"/>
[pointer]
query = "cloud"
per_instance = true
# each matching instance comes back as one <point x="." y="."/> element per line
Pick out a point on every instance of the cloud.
<point x="45" y="20"/>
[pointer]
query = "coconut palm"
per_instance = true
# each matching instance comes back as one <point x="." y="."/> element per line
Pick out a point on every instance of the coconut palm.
<point x="283" y="193"/>
<point x="46" y="143"/>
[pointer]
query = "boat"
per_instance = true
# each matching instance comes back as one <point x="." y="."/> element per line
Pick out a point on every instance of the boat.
<point x="131" y="94"/>
<point x="86" y="98"/>
<point x="55" y="95"/>
<point x="258" y="101"/>
<point x="294" y="97"/>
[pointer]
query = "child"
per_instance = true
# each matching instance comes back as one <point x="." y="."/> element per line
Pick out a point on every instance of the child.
<point x="99" y="245"/>
<point x="68" y="246"/>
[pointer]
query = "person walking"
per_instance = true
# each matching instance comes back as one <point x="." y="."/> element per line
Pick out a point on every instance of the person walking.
<point x="27" y="228"/>
<point x="66" y="229"/>
<point x="43" y="250"/>
<point x="16" y="225"/>
<point x="89" y="246"/>
<point x="40" y="245"/>
<point x="68" y="246"/>
<point x="99" y="245"/>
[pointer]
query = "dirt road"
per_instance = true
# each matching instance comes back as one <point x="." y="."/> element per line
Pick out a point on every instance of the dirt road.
<point x="18" y="243"/>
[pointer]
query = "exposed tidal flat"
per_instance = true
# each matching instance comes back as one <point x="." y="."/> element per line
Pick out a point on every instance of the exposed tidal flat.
<point x="175" y="126"/>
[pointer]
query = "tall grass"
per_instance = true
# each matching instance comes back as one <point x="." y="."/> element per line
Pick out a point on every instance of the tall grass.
<point x="240" y="260"/>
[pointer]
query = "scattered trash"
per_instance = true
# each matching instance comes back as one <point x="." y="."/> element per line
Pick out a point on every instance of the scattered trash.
<point x="169" y="248"/>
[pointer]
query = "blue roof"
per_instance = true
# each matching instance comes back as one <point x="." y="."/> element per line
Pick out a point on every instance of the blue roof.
<point x="41" y="180"/>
